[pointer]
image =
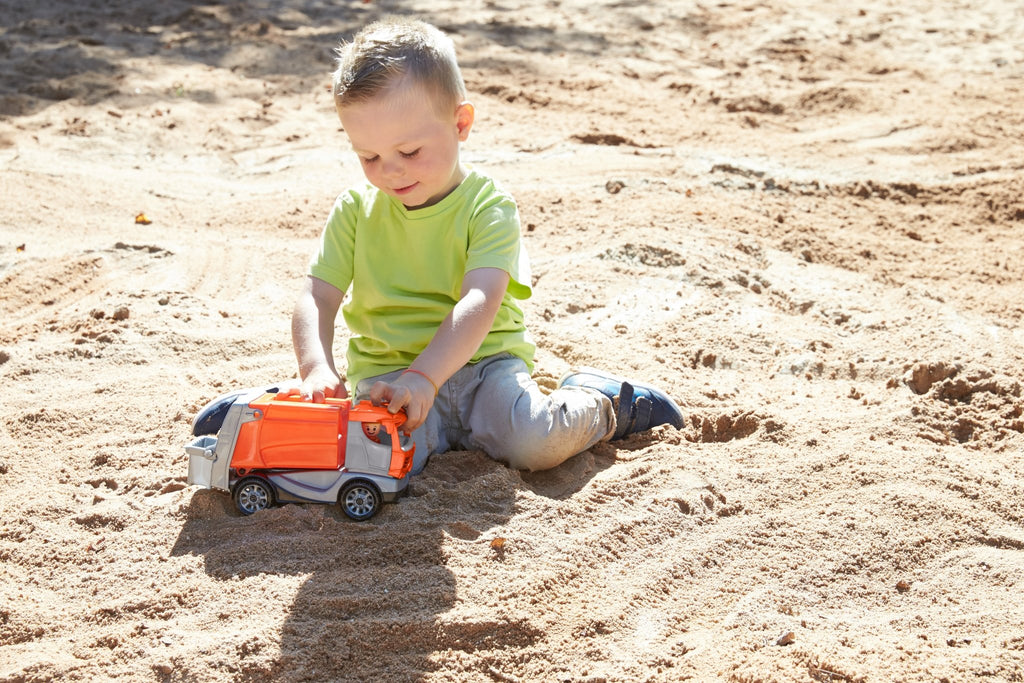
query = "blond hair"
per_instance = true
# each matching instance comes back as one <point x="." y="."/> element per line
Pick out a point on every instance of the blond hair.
<point x="395" y="48"/>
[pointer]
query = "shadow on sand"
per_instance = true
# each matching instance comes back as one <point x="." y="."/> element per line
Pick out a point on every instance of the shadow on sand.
<point x="67" y="49"/>
<point x="379" y="595"/>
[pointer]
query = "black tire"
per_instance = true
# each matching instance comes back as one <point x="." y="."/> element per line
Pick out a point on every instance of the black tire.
<point x="360" y="500"/>
<point x="253" y="494"/>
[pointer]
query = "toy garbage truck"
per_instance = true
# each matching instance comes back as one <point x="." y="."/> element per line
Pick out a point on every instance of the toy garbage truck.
<point x="265" y="447"/>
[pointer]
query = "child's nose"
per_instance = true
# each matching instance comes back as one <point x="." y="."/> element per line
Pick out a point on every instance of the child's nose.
<point x="392" y="168"/>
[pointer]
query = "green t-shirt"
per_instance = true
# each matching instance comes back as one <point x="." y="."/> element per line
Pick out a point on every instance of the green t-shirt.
<point x="406" y="267"/>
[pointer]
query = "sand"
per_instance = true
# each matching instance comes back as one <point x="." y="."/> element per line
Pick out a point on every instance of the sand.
<point x="804" y="221"/>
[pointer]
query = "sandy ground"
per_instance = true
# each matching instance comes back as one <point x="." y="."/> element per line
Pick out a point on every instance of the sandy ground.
<point x="805" y="223"/>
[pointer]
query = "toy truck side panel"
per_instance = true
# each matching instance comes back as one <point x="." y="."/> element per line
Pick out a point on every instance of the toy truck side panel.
<point x="356" y="457"/>
<point x="292" y="435"/>
<point x="303" y="486"/>
<point x="393" y="456"/>
<point x="323" y="487"/>
<point x="364" y="455"/>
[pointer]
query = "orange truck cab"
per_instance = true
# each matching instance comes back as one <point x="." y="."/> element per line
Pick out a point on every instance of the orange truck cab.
<point x="266" y="447"/>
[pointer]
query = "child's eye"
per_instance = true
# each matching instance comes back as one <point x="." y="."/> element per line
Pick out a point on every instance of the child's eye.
<point x="410" y="155"/>
<point x="369" y="160"/>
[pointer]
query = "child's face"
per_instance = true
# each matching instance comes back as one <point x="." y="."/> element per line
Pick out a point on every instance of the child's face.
<point x="408" y="149"/>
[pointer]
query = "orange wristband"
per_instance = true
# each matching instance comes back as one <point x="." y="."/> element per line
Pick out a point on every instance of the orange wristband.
<point x="423" y="374"/>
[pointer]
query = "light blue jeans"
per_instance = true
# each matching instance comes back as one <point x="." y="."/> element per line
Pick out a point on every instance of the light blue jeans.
<point x="496" y="407"/>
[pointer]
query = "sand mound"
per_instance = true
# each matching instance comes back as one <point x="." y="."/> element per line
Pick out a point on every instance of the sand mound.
<point x="804" y="223"/>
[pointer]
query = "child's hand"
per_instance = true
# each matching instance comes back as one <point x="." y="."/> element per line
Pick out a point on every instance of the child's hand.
<point x="410" y="391"/>
<point x="321" y="384"/>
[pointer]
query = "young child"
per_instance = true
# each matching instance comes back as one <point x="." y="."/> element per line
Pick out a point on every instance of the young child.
<point x="431" y="250"/>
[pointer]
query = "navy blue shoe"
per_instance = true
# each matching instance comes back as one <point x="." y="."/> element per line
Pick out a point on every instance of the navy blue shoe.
<point x="638" y="407"/>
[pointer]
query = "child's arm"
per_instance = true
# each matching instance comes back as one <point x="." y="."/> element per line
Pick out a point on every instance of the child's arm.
<point x="313" y="338"/>
<point x="454" y="343"/>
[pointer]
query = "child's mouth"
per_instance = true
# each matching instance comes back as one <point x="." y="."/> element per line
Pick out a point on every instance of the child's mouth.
<point x="405" y="190"/>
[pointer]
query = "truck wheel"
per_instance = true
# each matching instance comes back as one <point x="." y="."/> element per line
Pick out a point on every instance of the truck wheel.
<point x="360" y="500"/>
<point x="253" y="494"/>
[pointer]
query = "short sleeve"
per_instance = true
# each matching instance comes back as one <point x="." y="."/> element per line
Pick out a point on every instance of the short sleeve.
<point x="494" y="242"/>
<point x="333" y="261"/>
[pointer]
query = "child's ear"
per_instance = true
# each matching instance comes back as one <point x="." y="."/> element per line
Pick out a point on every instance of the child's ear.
<point x="464" y="115"/>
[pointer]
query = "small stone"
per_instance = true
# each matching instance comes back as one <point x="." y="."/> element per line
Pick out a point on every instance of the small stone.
<point x="614" y="186"/>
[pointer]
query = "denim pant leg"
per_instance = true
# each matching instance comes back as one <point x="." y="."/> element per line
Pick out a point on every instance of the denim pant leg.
<point x="513" y="421"/>
<point x="495" y="406"/>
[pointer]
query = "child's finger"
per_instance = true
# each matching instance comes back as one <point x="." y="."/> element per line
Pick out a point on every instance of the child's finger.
<point x="395" y="395"/>
<point x="400" y="398"/>
<point x="380" y="391"/>
<point x="412" y="423"/>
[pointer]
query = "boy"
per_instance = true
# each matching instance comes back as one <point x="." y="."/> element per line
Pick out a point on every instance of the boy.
<point x="431" y="250"/>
